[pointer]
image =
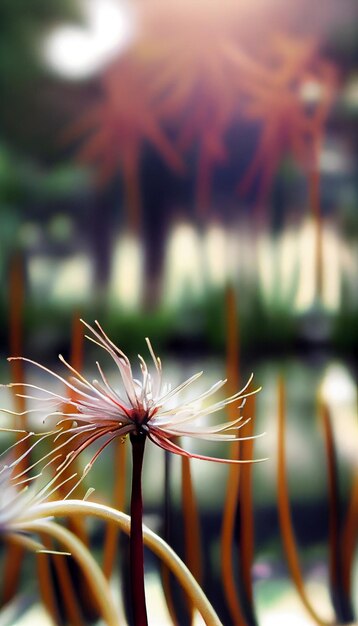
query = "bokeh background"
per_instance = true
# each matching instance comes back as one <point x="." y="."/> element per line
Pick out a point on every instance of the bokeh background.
<point x="167" y="167"/>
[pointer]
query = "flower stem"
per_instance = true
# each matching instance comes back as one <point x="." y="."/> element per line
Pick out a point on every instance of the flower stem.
<point x="136" y="537"/>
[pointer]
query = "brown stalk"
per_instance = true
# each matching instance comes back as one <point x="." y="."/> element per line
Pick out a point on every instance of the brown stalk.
<point x="231" y="499"/>
<point x="284" y="513"/>
<point x="12" y="567"/>
<point x="76" y="524"/>
<point x="69" y="601"/>
<point x="73" y="587"/>
<point x="340" y="542"/>
<point x="14" y="554"/>
<point x="76" y="361"/>
<point x="246" y="505"/>
<point x="68" y="593"/>
<point x="349" y="538"/>
<point x="45" y="581"/>
<point x="119" y="496"/>
<point x="227" y="533"/>
<point x="192" y="544"/>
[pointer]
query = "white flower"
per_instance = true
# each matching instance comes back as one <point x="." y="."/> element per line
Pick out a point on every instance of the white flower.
<point x="21" y="493"/>
<point x="148" y="407"/>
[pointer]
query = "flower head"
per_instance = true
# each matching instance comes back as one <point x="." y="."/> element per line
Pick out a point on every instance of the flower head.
<point x="147" y="407"/>
<point x="21" y="493"/>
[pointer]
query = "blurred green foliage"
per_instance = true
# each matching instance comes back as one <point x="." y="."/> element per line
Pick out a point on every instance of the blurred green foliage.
<point x="22" y="26"/>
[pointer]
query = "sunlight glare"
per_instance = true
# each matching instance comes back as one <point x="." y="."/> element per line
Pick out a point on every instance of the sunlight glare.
<point x="277" y="261"/>
<point x="183" y="278"/>
<point x="306" y="281"/>
<point x="339" y="391"/>
<point x="126" y="283"/>
<point x="288" y="264"/>
<point x="215" y="253"/>
<point x="266" y="253"/>
<point x="78" y="52"/>
<point x="67" y="280"/>
<point x="73" y="280"/>
<point x="338" y="386"/>
<point x="332" y="272"/>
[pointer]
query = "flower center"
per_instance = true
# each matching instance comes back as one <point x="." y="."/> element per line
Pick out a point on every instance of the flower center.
<point x="139" y="417"/>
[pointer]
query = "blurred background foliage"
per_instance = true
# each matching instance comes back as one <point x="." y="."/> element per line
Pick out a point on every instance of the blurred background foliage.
<point x="116" y="244"/>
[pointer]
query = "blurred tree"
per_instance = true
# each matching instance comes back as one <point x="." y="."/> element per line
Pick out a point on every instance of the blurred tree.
<point x="116" y="128"/>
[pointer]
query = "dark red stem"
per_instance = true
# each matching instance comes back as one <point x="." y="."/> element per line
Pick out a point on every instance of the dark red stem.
<point x="136" y="536"/>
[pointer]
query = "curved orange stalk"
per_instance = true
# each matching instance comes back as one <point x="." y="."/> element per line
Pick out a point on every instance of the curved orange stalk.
<point x="77" y="525"/>
<point x="231" y="500"/>
<point x="68" y="593"/>
<point x="227" y="533"/>
<point x="12" y="566"/>
<point x="191" y="525"/>
<point x="119" y="496"/>
<point x="77" y="342"/>
<point x="284" y="513"/>
<point x="339" y="574"/>
<point x="349" y="538"/>
<point x="75" y="588"/>
<point x="246" y="506"/>
<point x="45" y="581"/>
